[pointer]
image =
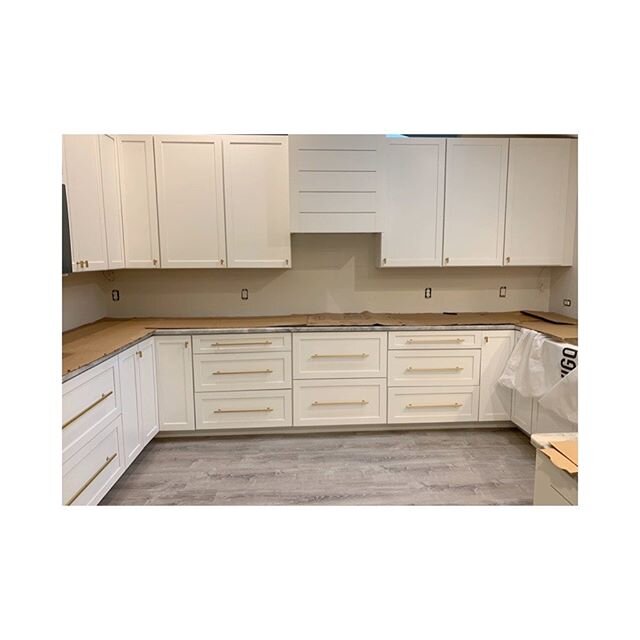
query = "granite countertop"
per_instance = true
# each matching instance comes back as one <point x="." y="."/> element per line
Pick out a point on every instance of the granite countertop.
<point x="91" y="344"/>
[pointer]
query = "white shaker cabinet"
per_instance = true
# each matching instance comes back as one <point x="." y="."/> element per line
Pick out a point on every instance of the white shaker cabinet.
<point x="111" y="198"/>
<point x="541" y="201"/>
<point x="256" y="191"/>
<point x="475" y="197"/>
<point x="413" y="214"/>
<point x="190" y="201"/>
<point x="138" y="194"/>
<point x="522" y="412"/>
<point x="138" y="396"/>
<point x="495" y="400"/>
<point x="174" y="376"/>
<point x="81" y="159"/>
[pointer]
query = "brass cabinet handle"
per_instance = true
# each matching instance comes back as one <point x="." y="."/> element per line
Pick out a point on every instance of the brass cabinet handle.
<point x="243" y="410"/>
<point x="239" y="344"/>
<point x="446" y="260"/>
<point x="155" y="261"/>
<point x="104" y="396"/>
<point x="434" y="369"/>
<point x="507" y="259"/>
<point x="86" y="263"/>
<point x="221" y="260"/>
<point x="315" y="403"/>
<point x="90" y="480"/>
<point x="427" y="341"/>
<point x="454" y="405"/>
<point x="340" y="355"/>
<point x="233" y="373"/>
<point x="186" y="344"/>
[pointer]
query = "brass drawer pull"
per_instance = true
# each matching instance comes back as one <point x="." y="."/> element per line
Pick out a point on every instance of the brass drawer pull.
<point x="340" y="355"/>
<point x="243" y="410"/>
<point x="104" y="396"/>
<point x="90" y="480"/>
<point x="315" y="403"/>
<point x="454" y="405"/>
<point x="232" y="373"/>
<point x="447" y="341"/>
<point x="434" y="369"/>
<point x="239" y="344"/>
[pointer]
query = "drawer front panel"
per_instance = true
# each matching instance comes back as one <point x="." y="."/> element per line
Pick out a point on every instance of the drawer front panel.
<point x="434" y="339"/>
<point x="441" y="368"/>
<point x="94" y="469"/>
<point x="241" y="343"/>
<point x="243" y="409"/>
<point x="89" y="402"/>
<point x="340" y="355"/>
<point x="242" y="371"/>
<point x="411" y="404"/>
<point x="329" y="402"/>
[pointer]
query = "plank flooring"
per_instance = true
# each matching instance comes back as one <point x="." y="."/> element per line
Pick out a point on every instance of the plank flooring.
<point x="444" y="467"/>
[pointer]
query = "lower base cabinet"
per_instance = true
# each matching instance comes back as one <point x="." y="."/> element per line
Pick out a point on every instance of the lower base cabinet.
<point x="432" y="404"/>
<point x="495" y="400"/>
<point x="553" y="486"/>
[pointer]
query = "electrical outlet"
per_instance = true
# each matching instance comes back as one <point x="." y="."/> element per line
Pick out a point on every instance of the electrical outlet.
<point x="567" y="302"/>
<point x="503" y="292"/>
<point x="427" y="292"/>
<point x="115" y="295"/>
<point x="244" y="294"/>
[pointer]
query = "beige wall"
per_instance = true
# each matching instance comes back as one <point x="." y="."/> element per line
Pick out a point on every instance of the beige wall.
<point x="84" y="299"/>
<point x="331" y="273"/>
<point x="564" y="284"/>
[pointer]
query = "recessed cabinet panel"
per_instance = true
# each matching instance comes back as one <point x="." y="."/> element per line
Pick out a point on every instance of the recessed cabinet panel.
<point x="412" y="219"/>
<point x="541" y="202"/>
<point x="111" y="197"/>
<point x="475" y="195"/>
<point x="190" y="201"/>
<point x="256" y="188"/>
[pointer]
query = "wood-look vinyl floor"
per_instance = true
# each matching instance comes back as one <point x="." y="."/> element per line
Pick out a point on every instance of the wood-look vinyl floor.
<point x="447" y="467"/>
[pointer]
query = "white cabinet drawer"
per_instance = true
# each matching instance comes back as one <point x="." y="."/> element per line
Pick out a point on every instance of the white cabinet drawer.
<point x="433" y="404"/>
<point x="243" y="409"/>
<point x="339" y="402"/>
<point x="433" y="339"/>
<point x="89" y="402"/>
<point x="94" y="469"/>
<point x="241" y="371"/>
<point x="441" y="368"/>
<point x="340" y="355"/>
<point x="241" y="342"/>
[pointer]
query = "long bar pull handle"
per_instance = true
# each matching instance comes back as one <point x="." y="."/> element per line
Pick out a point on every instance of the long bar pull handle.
<point x="340" y="355"/>
<point x="104" y="396"/>
<point x="266" y="409"/>
<point x="447" y="341"/>
<point x="240" y="344"/>
<point x="74" y="497"/>
<point x="434" y="368"/>
<point x="232" y="373"/>
<point x="315" y="403"/>
<point x="453" y="405"/>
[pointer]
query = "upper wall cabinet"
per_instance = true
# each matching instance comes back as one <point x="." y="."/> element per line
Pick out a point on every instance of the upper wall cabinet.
<point x="111" y="198"/>
<point x="256" y="190"/>
<point x="190" y="201"/>
<point x="335" y="183"/>
<point x="138" y="193"/>
<point x="541" y="201"/>
<point x="413" y="213"/>
<point x="81" y="157"/>
<point x="475" y="196"/>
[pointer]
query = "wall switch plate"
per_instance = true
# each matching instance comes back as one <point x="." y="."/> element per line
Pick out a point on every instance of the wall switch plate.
<point x="115" y="295"/>
<point x="503" y="292"/>
<point x="244" y="294"/>
<point x="566" y="302"/>
<point x="427" y="292"/>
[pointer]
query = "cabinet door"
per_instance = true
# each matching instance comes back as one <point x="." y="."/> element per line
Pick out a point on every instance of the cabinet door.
<point x="138" y="194"/>
<point x="190" y="201"/>
<point x="111" y="199"/>
<point x="541" y="201"/>
<point x="146" y="385"/>
<point x="174" y="375"/>
<point x="495" y="400"/>
<point x="522" y="412"/>
<point x="475" y="195"/>
<point x="256" y="190"/>
<point x="412" y="218"/>
<point x="129" y="394"/>
<point x="85" y="202"/>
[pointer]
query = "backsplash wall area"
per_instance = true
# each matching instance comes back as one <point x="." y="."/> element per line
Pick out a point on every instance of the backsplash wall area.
<point x="330" y="273"/>
<point x="84" y="299"/>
